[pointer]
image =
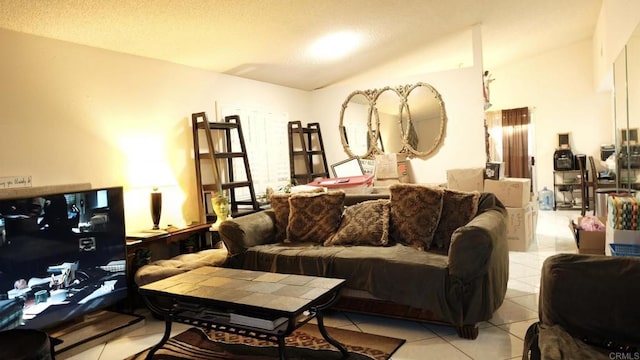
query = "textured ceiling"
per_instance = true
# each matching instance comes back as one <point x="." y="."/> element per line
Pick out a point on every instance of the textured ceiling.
<point x="267" y="39"/>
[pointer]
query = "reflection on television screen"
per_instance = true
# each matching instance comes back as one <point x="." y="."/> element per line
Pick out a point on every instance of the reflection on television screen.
<point x="61" y="256"/>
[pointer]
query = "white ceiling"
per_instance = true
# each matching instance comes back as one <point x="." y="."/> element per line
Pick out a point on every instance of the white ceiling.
<point x="266" y="40"/>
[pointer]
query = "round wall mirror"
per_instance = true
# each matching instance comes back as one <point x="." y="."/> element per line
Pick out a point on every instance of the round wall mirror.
<point x="409" y="119"/>
<point x="356" y="129"/>
<point x="427" y="118"/>
<point x="387" y="115"/>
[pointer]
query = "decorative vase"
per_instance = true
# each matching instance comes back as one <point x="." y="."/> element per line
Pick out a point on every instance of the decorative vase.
<point x="156" y="208"/>
<point x="221" y="208"/>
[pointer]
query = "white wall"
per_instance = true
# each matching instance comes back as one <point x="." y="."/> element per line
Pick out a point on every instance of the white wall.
<point x="558" y="86"/>
<point x="616" y="22"/>
<point x="463" y="145"/>
<point x="71" y="114"/>
<point x="460" y="88"/>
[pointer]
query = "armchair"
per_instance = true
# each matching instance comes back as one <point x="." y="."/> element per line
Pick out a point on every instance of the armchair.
<point x="588" y="308"/>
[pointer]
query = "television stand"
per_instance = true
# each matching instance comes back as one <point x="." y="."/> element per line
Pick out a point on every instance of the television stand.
<point x="73" y="338"/>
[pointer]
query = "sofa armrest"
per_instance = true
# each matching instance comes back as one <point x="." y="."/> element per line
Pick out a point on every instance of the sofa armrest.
<point x="481" y="243"/>
<point x="592" y="297"/>
<point x="241" y="233"/>
<point x="479" y="262"/>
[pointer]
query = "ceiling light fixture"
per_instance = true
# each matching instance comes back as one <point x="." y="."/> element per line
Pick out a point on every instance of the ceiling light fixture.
<point x="335" y="46"/>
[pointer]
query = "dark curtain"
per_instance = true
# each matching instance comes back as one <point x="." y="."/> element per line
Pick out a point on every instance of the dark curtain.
<point x="515" y="142"/>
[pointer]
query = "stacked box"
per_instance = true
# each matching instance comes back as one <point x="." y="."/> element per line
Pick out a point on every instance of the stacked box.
<point x="520" y="229"/>
<point x="622" y="221"/>
<point x="392" y="167"/>
<point x="466" y="179"/>
<point x="620" y="237"/>
<point x="512" y="192"/>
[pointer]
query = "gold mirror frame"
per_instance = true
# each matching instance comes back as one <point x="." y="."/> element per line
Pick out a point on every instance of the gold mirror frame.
<point x="384" y="141"/>
<point x="372" y="134"/>
<point x="405" y="124"/>
<point x="409" y="137"/>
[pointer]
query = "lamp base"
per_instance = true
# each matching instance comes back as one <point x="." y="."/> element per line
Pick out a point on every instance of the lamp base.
<point x="156" y="209"/>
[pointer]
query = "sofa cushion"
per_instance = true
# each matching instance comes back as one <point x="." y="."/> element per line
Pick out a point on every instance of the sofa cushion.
<point x="458" y="208"/>
<point x="366" y="223"/>
<point x="415" y="213"/>
<point x="161" y="269"/>
<point x="314" y="217"/>
<point x="423" y="276"/>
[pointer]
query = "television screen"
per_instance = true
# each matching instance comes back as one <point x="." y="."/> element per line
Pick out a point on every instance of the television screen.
<point x="61" y="256"/>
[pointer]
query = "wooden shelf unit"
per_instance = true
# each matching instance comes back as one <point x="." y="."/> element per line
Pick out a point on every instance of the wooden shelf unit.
<point x="220" y="157"/>
<point x="306" y="148"/>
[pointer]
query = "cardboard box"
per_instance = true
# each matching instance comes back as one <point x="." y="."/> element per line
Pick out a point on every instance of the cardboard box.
<point x="520" y="231"/>
<point x="512" y="192"/>
<point x="588" y="242"/>
<point x="620" y="237"/>
<point x="466" y="179"/>
<point x="392" y="166"/>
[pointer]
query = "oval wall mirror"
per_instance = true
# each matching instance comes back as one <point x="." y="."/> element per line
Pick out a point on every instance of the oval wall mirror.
<point x="426" y="123"/>
<point x="409" y="119"/>
<point x="356" y="130"/>
<point x="387" y="116"/>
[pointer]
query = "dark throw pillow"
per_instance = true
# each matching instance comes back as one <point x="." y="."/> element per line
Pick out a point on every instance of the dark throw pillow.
<point x="280" y="206"/>
<point x="365" y="223"/>
<point x="458" y="208"/>
<point x="415" y="213"/>
<point x="314" y="217"/>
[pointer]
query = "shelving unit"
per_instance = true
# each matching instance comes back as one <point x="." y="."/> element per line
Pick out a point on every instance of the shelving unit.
<point x="307" y="160"/>
<point x="629" y="178"/>
<point x="219" y="158"/>
<point x="567" y="190"/>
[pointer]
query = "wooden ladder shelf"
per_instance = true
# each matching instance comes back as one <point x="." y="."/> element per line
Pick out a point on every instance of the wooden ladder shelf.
<point x="307" y="159"/>
<point x="219" y="157"/>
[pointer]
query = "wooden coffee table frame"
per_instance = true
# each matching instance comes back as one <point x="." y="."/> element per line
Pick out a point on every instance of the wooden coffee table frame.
<point x="212" y="313"/>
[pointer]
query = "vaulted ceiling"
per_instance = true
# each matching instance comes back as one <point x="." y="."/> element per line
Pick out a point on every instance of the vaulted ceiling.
<point x="268" y="40"/>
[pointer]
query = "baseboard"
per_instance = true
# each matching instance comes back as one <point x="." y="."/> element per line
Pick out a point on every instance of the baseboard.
<point x="96" y="328"/>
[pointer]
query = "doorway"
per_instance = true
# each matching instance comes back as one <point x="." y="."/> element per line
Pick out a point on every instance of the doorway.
<point x="510" y="139"/>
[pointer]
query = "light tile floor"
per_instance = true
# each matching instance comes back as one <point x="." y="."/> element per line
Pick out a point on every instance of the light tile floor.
<point x="500" y="338"/>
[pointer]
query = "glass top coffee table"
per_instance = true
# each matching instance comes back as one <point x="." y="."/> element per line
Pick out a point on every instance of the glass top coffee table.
<point x="258" y="304"/>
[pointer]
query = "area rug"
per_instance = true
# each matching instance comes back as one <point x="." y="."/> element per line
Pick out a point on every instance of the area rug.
<point x="305" y="343"/>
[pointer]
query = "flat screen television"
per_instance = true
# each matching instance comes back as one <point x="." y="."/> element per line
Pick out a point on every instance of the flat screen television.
<point x="62" y="255"/>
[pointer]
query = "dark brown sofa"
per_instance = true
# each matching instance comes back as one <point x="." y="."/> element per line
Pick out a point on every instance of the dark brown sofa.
<point x="461" y="286"/>
<point x="589" y="309"/>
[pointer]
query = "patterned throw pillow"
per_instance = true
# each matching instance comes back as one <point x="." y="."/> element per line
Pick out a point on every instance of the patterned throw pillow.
<point x="458" y="208"/>
<point x="415" y="213"/>
<point x="314" y="217"/>
<point x="365" y="223"/>
<point x="280" y="206"/>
